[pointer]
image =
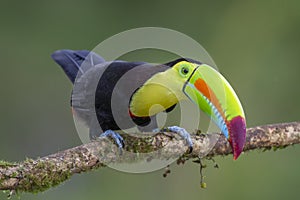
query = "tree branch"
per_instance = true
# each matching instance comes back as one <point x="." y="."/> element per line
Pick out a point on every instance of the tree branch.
<point x="43" y="173"/>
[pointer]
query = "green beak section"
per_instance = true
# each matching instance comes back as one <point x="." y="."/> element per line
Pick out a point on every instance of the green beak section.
<point x="208" y="89"/>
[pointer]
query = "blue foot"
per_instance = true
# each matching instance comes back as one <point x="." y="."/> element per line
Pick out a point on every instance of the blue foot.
<point x="115" y="136"/>
<point x="182" y="133"/>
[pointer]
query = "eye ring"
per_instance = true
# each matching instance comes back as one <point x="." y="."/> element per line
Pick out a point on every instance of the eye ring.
<point x="184" y="71"/>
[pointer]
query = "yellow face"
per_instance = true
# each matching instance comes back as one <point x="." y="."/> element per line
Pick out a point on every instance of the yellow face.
<point x="162" y="91"/>
<point x="184" y="70"/>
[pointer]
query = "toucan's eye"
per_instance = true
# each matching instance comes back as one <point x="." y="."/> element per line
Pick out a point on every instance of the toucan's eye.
<point x="184" y="71"/>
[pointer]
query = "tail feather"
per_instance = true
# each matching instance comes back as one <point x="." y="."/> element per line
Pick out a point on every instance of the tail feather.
<point x="71" y="61"/>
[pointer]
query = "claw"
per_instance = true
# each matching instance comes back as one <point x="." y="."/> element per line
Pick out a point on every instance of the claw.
<point x="116" y="137"/>
<point x="184" y="134"/>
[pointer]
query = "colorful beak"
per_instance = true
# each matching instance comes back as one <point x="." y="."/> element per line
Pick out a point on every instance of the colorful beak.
<point x="213" y="94"/>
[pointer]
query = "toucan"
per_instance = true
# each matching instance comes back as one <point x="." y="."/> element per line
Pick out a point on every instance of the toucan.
<point x="115" y="95"/>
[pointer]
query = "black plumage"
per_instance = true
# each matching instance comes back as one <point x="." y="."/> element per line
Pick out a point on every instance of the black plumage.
<point x="102" y="90"/>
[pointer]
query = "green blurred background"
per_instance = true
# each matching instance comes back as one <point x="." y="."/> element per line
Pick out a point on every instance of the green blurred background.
<point x="256" y="45"/>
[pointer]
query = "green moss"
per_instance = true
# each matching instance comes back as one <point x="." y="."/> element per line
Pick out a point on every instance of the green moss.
<point x="45" y="175"/>
<point x="5" y="164"/>
<point x="199" y="132"/>
<point x="140" y="146"/>
<point x="275" y="148"/>
<point x="266" y="149"/>
<point x="14" y="174"/>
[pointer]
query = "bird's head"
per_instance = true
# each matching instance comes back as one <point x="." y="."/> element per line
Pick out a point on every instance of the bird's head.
<point x="204" y="86"/>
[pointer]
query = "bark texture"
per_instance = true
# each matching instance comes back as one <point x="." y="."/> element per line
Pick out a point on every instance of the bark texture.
<point x="43" y="173"/>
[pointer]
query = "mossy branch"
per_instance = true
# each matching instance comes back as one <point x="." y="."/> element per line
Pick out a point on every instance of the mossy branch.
<point x="43" y="173"/>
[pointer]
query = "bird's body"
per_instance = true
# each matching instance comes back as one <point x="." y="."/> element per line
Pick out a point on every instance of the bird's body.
<point x="118" y="95"/>
<point x="124" y="79"/>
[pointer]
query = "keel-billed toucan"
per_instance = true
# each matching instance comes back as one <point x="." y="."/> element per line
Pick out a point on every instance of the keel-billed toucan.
<point x="125" y="94"/>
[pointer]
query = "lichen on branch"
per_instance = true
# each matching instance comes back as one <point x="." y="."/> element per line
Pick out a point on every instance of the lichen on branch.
<point x="43" y="173"/>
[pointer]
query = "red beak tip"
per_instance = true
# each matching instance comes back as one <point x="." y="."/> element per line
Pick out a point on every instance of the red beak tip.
<point x="237" y="127"/>
<point x="236" y="156"/>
